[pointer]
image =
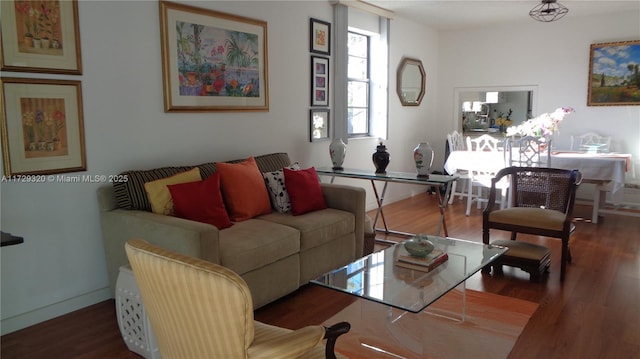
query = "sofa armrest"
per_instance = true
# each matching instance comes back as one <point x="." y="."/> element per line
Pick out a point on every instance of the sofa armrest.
<point x="187" y="237"/>
<point x="351" y="199"/>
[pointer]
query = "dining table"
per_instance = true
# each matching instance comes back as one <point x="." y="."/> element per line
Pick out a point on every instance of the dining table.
<point x="606" y="170"/>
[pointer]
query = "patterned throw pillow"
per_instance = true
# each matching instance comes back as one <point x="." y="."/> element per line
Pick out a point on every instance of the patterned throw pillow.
<point x="277" y="190"/>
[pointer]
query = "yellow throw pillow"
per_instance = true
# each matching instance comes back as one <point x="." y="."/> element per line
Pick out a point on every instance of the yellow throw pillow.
<point x="159" y="195"/>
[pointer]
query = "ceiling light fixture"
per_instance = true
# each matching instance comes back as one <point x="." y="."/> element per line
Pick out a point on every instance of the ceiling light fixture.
<point x="548" y="10"/>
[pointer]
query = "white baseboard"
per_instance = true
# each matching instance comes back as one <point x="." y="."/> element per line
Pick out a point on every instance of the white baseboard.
<point x="21" y="321"/>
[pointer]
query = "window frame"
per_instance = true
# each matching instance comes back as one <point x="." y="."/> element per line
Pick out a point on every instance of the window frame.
<point x="366" y="81"/>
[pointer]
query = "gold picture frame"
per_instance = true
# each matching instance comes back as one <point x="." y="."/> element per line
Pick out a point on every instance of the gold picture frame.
<point x="614" y="75"/>
<point x="40" y="36"/>
<point x="212" y="61"/>
<point x="42" y="126"/>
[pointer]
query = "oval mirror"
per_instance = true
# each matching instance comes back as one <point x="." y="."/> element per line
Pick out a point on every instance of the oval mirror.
<point x="411" y="82"/>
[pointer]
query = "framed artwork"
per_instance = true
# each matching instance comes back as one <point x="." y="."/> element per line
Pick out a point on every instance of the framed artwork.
<point x="41" y="36"/>
<point x="614" y="74"/>
<point x="42" y="126"/>
<point x="320" y="37"/>
<point x="319" y="124"/>
<point x="212" y="61"/>
<point x="319" y="81"/>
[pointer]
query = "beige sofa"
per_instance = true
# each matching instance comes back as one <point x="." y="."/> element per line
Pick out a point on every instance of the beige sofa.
<point x="274" y="253"/>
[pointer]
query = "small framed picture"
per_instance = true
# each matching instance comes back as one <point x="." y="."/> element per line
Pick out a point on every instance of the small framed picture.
<point x="41" y="36"/>
<point x="613" y="74"/>
<point x="319" y="81"/>
<point x="42" y="127"/>
<point x="320" y="37"/>
<point x="319" y="124"/>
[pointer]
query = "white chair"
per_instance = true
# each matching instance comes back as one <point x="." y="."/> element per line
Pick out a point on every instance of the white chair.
<point x="480" y="176"/>
<point x="455" y="140"/>
<point x="527" y="151"/>
<point x="591" y="142"/>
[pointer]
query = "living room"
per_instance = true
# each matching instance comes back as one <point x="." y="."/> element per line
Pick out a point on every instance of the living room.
<point x="61" y="266"/>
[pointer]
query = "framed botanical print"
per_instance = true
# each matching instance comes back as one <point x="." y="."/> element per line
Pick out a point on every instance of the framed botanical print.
<point x="212" y="61"/>
<point x="319" y="124"/>
<point x="41" y="36"/>
<point x="42" y="126"/>
<point x="614" y="74"/>
<point x="319" y="81"/>
<point x="320" y="37"/>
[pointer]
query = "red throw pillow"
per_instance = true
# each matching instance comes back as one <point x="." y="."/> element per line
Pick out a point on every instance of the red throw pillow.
<point x="200" y="201"/>
<point x="304" y="190"/>
<point x="243" y="189"/>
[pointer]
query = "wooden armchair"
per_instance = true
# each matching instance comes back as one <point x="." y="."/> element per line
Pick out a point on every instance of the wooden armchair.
<point x="198" y="309"/>
<point x="541" y="204"/>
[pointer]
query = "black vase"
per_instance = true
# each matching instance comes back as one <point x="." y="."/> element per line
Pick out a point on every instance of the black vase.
<point x="381" y="158"/>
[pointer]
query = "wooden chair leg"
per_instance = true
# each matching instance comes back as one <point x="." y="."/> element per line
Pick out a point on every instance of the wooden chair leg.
<point x="331" y="335"/>
<point x="564" y="258"/>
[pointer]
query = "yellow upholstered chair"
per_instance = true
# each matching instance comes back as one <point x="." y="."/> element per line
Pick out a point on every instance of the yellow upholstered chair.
<point x="542" y="204"/>
<point x="198" y="309"/>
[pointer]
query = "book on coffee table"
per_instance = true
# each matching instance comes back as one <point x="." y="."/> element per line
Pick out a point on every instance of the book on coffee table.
<point x="424" y="264"/>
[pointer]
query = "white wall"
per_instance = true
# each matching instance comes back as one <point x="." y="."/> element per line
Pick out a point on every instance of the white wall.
<point x="61" y="265"/>
<point x="554" y="57"/>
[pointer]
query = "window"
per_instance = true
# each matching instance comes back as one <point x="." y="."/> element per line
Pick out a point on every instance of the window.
<point x="358" y="85"/>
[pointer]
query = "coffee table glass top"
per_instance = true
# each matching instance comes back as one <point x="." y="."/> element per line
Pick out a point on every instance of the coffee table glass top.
<point x="376" y="277"/>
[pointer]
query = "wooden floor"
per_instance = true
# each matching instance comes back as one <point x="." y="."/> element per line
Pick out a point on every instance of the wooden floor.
<point x="595" y="313"/>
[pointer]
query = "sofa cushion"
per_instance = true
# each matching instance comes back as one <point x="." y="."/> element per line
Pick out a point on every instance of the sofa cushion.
<point x="159" y="195"/>
<point x="318" y="227"/>
<point x="304" y="190"/>
<point x="254" y="243"/>
<point x="201" y="201"/>
<point x="277" y="189"/>
<point x="243" y="189"/>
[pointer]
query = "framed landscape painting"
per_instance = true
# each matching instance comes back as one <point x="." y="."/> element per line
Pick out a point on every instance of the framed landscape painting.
<point x="212" y="61"/>
<point x="614" y="74"/>
<point x="42" y="126"/>
<point x="41" y="36"/>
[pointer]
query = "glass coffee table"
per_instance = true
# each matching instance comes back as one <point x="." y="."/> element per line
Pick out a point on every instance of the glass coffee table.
<point x="376" y="278"/>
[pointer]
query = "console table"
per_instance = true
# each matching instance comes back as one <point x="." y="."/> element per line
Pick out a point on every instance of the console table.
<point x="439" y="181"/>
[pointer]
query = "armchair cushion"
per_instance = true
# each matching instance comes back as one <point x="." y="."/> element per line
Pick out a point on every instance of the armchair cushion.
<point x="274" y="342"/>
<point x="529" y="217"/>
<point x="243" y="189"/>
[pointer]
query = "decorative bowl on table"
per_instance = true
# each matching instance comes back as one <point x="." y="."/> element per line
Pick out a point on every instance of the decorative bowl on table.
<point x="419" y="246"/>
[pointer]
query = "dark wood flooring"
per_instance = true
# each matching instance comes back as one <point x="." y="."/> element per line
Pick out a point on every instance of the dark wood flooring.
<point x="595" y="313"/>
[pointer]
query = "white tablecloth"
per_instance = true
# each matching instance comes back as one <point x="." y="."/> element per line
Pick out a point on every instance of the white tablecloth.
<point x="606" y="167"/>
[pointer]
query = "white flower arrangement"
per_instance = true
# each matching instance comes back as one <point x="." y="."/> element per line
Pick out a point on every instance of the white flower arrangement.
<point x="542" y="126"/>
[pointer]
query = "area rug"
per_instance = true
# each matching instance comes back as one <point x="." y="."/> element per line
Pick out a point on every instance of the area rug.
<point x="491" y="327"/>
